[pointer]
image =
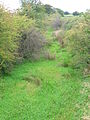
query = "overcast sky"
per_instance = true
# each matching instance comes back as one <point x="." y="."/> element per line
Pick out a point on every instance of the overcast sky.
<point x="66" y="5"/>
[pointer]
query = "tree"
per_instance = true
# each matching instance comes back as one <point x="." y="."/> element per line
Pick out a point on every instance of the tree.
<point x="60" y="12"/>
<point x="30" y="1"/>
<point x="49" y="9"/>
<point x="76" y="13"/>
<point x="66" y="13"/>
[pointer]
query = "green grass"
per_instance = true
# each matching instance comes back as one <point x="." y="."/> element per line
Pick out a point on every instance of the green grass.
<point x="44" y="90"/>
<point x="49" y="33"/>
<point x="57" y="97"/>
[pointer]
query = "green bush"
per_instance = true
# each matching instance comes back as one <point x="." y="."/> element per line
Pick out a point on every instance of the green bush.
<point x="77" y="42"/>
<point x="11" y="28"/>
<point x="8" y="43"/>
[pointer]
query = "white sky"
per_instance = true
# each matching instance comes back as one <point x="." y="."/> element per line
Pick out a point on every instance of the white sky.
<point x="66" y="5"/>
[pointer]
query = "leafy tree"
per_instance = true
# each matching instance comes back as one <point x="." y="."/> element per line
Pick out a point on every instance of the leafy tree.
<point x="60" y="12"/>
<point x="30" y="8"/>
<point x="76" y="13"/>
<point x="66" y="13"/>
<point x="49" y="9"/>
<point x="36" y="11"/>
<point x="30" y="1"/>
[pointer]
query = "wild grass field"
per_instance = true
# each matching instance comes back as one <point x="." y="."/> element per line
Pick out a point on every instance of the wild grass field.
<point x="44" y="90"/>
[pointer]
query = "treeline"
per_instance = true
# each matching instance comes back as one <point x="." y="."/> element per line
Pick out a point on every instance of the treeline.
<point x="75" y="13"/>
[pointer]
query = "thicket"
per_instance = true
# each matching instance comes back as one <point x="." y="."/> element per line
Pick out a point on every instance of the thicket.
<point x="18" y="40"/>
<point x="77" y="41"/>
<point x="11" y="27"/>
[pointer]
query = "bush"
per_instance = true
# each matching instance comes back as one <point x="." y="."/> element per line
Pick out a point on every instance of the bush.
<point x="77" y="41"/>
<point x="11" y="26"/>
<point x="8" y="43"/>
<point x="56" y="23"/>
<point x="31" y="44"/>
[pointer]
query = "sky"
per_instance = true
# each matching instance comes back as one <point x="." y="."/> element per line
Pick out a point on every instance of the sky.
<point x="66" y="5"/>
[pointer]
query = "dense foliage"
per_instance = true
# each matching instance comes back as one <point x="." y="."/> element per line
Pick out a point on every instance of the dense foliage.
<point x="8" y="42"/>
<point x="76" y="39"/>
<point x="31" y="44"/>
<point x="49" y="50"/>
<point x="19" y="41"/>
<point x="11" y="27"/>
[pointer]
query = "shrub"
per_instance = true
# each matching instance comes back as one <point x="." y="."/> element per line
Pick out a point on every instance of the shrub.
<point x="77" y="40"/>
<point x="11" y="26"/>
<point x="31" y="44"/>
<point x="56" y="23"/>
<point x="8" y="43"/>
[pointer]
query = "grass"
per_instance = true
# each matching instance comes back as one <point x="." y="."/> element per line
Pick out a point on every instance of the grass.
<point x="57" y="97"/>
<point x="44" y="90"/>
<point x="49" y="34"/>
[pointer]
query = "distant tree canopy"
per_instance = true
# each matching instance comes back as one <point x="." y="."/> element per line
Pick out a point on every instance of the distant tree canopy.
<point x="49" y="9"/>
<point x="66" y="13"/>
<point x="38" y="11"/>
<point x="33" y="8"/>
<point x="61" y="12"/>
<point x="30" y="1"/>
<point x="76" y="13"/>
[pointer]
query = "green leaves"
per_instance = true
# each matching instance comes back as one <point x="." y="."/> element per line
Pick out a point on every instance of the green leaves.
<point x="11" y="27"/>
<point x="77" y="41"/>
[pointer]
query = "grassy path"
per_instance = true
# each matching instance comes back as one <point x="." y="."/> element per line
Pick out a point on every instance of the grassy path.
<point x="42" y="91"/>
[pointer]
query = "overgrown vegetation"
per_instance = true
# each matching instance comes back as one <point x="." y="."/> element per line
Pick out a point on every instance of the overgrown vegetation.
<point x="31" y="43"/>
<point x="77" y="42"/>
<point x="44" y="63"/>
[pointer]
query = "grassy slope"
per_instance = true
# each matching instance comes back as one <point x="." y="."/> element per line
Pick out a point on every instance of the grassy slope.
<point x="60" y="95"/>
